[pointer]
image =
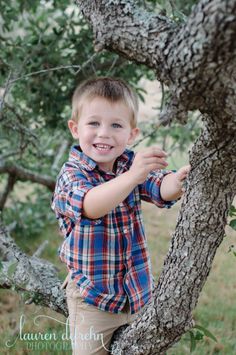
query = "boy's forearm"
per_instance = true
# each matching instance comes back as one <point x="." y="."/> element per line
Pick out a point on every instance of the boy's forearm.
<point x="170" y="189"/>
<point x="103" y="198"/>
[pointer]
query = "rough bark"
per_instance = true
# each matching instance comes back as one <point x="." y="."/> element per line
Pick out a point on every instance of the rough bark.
<point x="195" y="59"/>
<point x="33" y="275"/>
<point x="197" y="62"/>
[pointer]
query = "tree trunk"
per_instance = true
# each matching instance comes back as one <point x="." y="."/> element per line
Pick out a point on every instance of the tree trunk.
<point x="196" y="60"/>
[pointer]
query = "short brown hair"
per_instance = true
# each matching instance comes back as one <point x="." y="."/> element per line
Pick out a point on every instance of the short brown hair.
<point x="112" y="89"/>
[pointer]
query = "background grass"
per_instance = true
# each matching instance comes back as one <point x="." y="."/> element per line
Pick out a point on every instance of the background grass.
<point x="215" y="311"/>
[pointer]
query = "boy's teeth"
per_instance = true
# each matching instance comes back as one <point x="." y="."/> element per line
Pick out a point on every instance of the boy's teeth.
<point x="102" y="146"/>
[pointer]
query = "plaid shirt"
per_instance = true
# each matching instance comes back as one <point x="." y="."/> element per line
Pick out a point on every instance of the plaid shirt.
<point x="108" y="256"/>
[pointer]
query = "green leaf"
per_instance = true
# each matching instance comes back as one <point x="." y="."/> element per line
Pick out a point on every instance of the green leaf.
<point x="232" y="211"/>
<point x="199" y="336"/>
<point x="192" y="341"/>
<point x="232" y="224"/>
<point x="231" y="247"/>
<point x="206" y="332"/>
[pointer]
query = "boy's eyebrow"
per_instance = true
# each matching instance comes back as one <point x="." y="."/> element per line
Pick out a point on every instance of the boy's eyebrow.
<point x="94" y="116"/>
<point x="113" y="118"/>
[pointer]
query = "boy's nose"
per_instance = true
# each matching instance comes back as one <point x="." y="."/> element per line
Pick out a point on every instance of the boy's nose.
<point x="103" y="132"/>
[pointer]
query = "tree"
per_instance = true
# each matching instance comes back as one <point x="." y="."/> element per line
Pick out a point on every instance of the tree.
<point x="195" y="60"/>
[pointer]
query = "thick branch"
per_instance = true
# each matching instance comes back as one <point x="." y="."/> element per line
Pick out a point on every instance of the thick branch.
<point x="195" y="59"/>
<point x="25" y="174"/>
<point x="122" y="27"/>
<point x="31" y="274"/>
<point x="201" y="58"/>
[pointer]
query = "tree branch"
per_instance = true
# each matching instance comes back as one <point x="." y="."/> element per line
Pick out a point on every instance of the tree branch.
<point x="191" y="58"/>
<point x="41" y="248"/>
<point x="2" y="99"/>
<point x="59" y="154"/>
<point x="9" y="187"/>
<point x="26" y="175"/>
<point x="117" y="24"/>
<point x="31" y="274"/>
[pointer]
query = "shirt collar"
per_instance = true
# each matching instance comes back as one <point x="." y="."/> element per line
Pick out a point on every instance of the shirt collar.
<point x="80" y="158"/>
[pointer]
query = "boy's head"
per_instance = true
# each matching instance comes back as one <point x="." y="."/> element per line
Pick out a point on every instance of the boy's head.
<point x="111" y="89"/>
<point x="104" y="119"/>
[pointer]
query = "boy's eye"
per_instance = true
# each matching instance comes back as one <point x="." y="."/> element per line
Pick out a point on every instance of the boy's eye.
<point x="116" y="125"/>
<point x="93" y="123"/>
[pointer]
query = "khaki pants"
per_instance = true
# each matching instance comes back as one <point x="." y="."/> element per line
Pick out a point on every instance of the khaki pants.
<point x="91" y="329"/>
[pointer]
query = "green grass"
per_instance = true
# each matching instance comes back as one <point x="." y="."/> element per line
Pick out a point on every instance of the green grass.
<point x="216" y="309"/>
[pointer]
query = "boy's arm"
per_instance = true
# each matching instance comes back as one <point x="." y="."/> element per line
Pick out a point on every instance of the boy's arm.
<point x="103" y="198"/>
<point x="172" y="184"/>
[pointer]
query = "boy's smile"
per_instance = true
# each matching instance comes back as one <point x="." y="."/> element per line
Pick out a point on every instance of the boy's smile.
<point x="104" y="130"/>
<point x="103" y="148"/>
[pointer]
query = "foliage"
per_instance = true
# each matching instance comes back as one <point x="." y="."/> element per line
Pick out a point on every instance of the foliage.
<point x="46" y="50"/>
<point x="232" y="224"/>
<point x="29" y="215"/>
<point x="232" y="250"/>
<point x="175" y="138"/>
<point x="197" y="334"/>
<point x="177" y="10"/>
<point x="232" y="214"/>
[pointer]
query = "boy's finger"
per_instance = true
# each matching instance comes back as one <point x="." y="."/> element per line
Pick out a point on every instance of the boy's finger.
<point x="156" y="152"/>
<point x="187" y="168"/>
<point x="155" y="160"/>
<point x="184" y="171"/>
<point x="160" y="151"/>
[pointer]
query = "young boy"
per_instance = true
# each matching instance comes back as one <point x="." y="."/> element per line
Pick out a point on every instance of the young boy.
<point x="97" y="201"/>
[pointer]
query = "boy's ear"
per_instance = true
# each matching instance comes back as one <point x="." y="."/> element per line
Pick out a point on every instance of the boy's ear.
<point x="133" y="135"/>
<point x="73" y="127"/>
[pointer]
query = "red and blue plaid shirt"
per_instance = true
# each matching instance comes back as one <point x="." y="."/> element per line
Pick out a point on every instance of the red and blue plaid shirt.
<point x="108" y="256"/>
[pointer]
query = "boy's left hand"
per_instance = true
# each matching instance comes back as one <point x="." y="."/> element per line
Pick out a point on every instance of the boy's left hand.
<point x="181" y="175"/>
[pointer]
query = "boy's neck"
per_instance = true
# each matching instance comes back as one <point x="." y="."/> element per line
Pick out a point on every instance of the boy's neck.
<point x="109" y="170"/>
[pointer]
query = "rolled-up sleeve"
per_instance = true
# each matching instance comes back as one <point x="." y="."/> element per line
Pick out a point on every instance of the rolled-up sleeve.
<point x="150" y="189"/>
<point x="68" y="200"/>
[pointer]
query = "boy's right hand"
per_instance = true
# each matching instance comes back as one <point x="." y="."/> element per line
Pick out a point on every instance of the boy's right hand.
<point x="151" y="158"/>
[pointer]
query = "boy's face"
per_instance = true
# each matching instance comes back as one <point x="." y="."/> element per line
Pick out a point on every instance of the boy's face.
<point x="104" y="130"/>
